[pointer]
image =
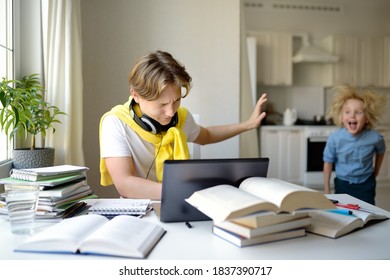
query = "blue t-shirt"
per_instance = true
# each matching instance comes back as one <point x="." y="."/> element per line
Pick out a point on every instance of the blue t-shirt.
<point x="353" y="155"/>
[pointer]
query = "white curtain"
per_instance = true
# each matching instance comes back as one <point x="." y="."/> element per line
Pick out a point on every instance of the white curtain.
<point x="62" y="63"/>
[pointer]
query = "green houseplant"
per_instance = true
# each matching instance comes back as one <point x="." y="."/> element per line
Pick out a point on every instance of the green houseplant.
<point x="25" y="113"/>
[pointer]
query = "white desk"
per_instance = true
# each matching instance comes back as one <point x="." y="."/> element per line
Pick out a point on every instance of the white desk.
<point x="198" y="243"/>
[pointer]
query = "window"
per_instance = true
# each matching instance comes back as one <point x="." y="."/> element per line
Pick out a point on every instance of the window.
<point x="7" y="62"/>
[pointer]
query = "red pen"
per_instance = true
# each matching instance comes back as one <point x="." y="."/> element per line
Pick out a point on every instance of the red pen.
<point x="356" y="207"/>
<point x="348" y="206"/>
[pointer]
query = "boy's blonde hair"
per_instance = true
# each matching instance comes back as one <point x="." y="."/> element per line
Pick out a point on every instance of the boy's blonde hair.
<point x="373" y="104"/>
<point x="154" y="71"/>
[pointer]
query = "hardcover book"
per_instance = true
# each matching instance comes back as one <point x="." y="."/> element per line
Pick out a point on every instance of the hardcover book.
<point x="248" y="232"/>
<point x="240" y="241"/>
<point x="268" y="218"/>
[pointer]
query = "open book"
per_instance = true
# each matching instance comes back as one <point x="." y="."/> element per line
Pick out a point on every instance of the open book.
<point x="334" y="225"/>
<point x="123" y="236"/>
<point x="224" y="202"/>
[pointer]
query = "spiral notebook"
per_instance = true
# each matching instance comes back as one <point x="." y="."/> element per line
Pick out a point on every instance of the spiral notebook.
<point x="47" y="173"/>
<point x="119" y="206"/>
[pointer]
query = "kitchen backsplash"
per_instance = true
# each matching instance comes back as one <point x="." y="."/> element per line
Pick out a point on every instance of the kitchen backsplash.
<point x="309" y="101"/>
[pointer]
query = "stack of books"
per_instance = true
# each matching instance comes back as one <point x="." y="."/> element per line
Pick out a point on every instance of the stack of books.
<point x="259" y="210"/>
<point x="263" y="227"/>
<point x="62" y="187"/>
<point x="269" y="226"/>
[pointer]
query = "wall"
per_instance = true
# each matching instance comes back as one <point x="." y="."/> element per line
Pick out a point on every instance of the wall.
<point x="356" y="17"/>
<point x="196" y="32"/>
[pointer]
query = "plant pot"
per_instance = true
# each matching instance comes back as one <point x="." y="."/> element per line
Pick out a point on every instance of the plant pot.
<point x="27" y="158"/>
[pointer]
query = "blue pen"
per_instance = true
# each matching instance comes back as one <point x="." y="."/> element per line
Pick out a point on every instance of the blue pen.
<point x="341" y="211"/>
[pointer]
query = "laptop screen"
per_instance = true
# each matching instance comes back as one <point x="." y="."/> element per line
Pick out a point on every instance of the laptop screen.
<point x="181" y="178"/>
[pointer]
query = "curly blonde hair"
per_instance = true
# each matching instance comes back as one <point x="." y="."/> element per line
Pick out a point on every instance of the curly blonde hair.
<point x="373" y="104"/>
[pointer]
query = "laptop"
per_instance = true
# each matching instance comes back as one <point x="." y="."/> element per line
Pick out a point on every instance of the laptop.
<point x="181" y="178"/>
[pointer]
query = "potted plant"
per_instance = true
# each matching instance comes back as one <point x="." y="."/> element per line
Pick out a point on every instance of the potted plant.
<point x="25" y="113"/>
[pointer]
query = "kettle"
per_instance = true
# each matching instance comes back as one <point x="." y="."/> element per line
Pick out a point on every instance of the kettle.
<point x="289" y="116"/>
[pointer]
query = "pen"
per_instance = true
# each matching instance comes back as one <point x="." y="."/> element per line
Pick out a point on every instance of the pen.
<point x="74" y="209"/>
<point x="357" y="207"/>
<point x="349" y="206"/>
<point x="188" y="225"/>
<point x="341" y="211"/>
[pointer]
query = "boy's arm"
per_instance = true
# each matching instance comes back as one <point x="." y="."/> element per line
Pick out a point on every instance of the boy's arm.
<point x="327" y="172"/>
<point x="214" y="134"/>
<point x="128" y="185"/>
<point x="378" y="163"/>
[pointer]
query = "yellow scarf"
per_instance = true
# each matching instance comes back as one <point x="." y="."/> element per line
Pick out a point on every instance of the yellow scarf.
<point x="174" y="135"/>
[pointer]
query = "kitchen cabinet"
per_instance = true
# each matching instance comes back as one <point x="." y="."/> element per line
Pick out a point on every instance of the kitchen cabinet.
<point x="344" y="71"/>
<point x="284" y="147"/>
<point x="370" y="60"/>
<point x="274" y="57"/>
<point x="362" y="60"/>
<point x="384" y="173"/>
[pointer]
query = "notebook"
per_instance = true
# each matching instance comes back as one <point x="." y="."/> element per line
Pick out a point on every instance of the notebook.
<point x="119" y="206"/>
<point x="181" y="178"/>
